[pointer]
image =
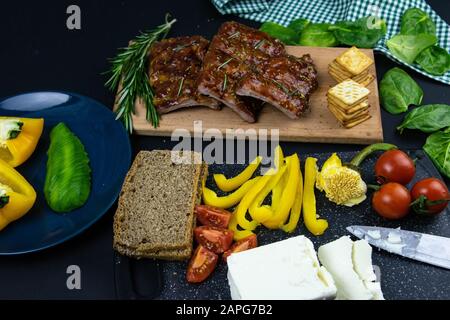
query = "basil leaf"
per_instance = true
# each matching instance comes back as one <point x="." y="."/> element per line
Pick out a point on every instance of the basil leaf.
<point x="362" y="33"/>
<point x="437" y="147"/>
<point x="398" y="90"/>
<point x="427" y="118"/>
<point x="298" y="25"/>
<point x="434" y="60"/>
<point x="408" y="47"/>
<point x="286" y="35"/>
<point x="318" y="35"/>
<point x="415" y="21"/>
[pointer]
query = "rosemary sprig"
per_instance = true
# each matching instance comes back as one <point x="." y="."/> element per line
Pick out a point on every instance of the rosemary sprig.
<point x="183" y="46"/>
<point x="180" y="87"/>
<point x="224" y="64"/>
<point x="281" y="86"/>
<point x="234" y="35"/>
<point x="259" y="43"/>
<point x="129" y="68"/>
<point x="225" y="82"/>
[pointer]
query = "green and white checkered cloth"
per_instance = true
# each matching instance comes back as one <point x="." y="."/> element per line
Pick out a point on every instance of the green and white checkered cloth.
<point x="284" y="11"/>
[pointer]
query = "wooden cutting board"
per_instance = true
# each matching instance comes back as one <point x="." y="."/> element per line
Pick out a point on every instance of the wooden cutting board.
<point x="319" y="125"/>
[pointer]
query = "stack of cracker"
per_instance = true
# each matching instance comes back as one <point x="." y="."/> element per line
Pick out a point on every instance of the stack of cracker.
<point x="349" y="103"/>
<point x="352" y="64"/>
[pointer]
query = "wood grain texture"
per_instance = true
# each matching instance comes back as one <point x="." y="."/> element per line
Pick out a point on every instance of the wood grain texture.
<point x="318" y="125"/>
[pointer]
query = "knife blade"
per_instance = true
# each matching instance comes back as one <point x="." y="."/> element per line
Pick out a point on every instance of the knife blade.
<point x="423" y="247"/>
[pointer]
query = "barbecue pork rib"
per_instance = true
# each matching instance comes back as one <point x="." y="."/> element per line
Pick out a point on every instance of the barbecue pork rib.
<point x="219" y="77"/>
<point x="245" y="67"/>
<point x="284" y="82"/>
<point x="175" y="65"/>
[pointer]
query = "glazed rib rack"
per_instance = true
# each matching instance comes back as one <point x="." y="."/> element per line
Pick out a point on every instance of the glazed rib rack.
<point x="243" y="68"/>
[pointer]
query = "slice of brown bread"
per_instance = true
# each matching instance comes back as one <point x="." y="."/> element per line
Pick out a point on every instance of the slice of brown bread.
<point x="156" y="206"/>
<point x="169" y="254"/>
<point x="166" y="254"/>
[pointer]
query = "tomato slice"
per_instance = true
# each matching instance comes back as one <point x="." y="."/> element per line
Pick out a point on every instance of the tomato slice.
<point x="217" y="240"/>
<point x="201" y="265"/>
<point x="213" y="217"/>
<point x="245" y="244"/>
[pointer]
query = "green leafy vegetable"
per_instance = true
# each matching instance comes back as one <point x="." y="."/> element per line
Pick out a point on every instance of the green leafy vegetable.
<point x="68" y="180"/>
<point x="408" y="47"/>
<point x="318" y="35"/>
<point x="434" y="60"/>
<point x="362" y="33"/>
<point x="286" y="35"/>
<point x="437" y="147"/>
<point x="298" y="25"/>
<point x="398" y="90"/>
<point x="415" y="21"/>
<point x="427" y="118"/>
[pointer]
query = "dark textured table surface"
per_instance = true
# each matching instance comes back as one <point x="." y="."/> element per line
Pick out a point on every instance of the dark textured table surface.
<point x="40" y="53"/>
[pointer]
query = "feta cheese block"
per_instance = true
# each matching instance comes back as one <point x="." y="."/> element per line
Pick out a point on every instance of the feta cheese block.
<point x="350" y="264"/>
<point x="284" y="270"/>
<point x="362" y="260"/>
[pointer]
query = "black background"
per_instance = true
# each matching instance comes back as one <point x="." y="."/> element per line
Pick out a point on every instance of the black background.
<point x="38" y="53"/>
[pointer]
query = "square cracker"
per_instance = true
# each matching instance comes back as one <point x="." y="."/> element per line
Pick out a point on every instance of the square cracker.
<point x="336" y="76"/>
<point x="364" y="103"/>
<point x="349" y="92"/>
<point x="353" y="111"/>
<point x="365" y="81"/>
<point x="354" y="61"/>
<point x="347" y="117"/>
<point x="339" y="69"/>
<point x="353" y="123"/>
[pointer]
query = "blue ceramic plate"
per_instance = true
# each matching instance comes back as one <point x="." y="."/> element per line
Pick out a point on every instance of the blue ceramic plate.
<point x="108" y="146"/>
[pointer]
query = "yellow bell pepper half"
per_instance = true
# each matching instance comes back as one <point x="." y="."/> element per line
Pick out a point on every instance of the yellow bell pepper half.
<point x="19" y="138"/>
<point x="287" y="199"/>
<point x="17" y="196"/>
<point x="231" y="184"/>
<point x="212" y="199"/>
<point x="315" y="226"/>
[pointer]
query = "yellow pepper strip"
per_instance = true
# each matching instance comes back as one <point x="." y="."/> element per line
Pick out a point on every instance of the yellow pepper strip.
<point x="263" y="213"/>
<point x="238" y="233"/>
<point x="316" y="226"/>
<point x="289" y="193"/>
<point x="248" y="199"/>
<point x="278" y="190"/>
<point x="17" y="196"/>
<point x="231" y="184"/>
<point x="19" y="138"/>
<point x="296" y="208"/>
<point x="212" y="199"/>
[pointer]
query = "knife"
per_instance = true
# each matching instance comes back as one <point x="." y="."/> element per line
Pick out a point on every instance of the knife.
<point x="423" y="247"/>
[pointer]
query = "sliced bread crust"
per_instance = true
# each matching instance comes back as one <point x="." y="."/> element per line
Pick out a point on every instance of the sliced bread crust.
<point x="155" y="216"/>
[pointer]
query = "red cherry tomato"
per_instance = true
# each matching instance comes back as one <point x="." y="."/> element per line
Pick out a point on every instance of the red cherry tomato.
<point x="430" y="196"/>
<point x="217" y="240"/>
<point x="213" y="217"/>
<point x="201" y="265"/>
<point x="395" y="166"/>
<point x="392" y="201"/>
<point x="244" y="244"/>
